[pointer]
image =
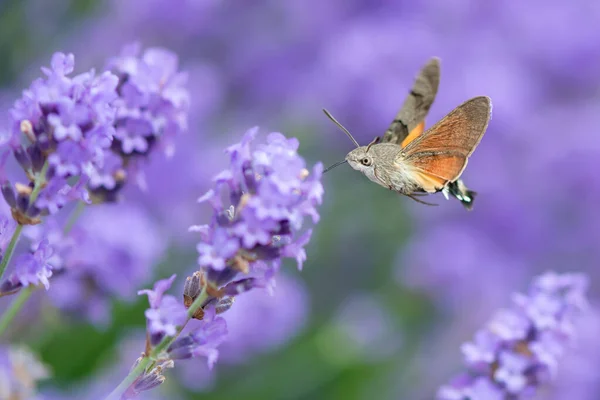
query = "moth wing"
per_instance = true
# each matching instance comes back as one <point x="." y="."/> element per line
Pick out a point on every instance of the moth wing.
<point x="408" y="121"/>
<point x="413" y="134"/>
<point x="440" y="154"/>
<point x="428" y="182"/>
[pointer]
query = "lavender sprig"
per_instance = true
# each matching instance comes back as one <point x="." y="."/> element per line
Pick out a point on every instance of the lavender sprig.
<point x="151" y="109"/>
<point x="520" y="348"/>
<point x="270" y="193"/>
<point x="66" y="123"/>
<point x="68" y="135"/>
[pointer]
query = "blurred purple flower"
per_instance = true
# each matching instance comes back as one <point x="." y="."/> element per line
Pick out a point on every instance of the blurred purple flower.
<point x="461" y="252"/>
<point x="151" y="110"/>
<point x="520" y="347"/>
<point x="263" y="322"/>
<point x="579" y="377"/>
<point x="20" y="372"/>
<point x="68" y="122"/>
<point x="7" y="227"/>
<point x="101" y="260"/>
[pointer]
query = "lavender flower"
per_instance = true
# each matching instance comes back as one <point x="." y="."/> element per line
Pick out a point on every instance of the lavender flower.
<point x="68" y="124"/>
<point x="519" y="349"/>
<point x="202" y="341"/>
<point x="150" y="111"/>
<point x="30" y="269"/>
<point x="165" y="313"/>
<point x="93" y="128"/>
<point x="166" y="317"/>
<point x="20" y="372"/>
<point x="149" y="379"/>
<point x="270" y="192"/>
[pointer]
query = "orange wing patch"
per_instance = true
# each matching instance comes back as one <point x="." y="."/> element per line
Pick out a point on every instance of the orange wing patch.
<point x="427" y="182"/>
<point x="414" y="134"/>
<point x="434" y="171"/>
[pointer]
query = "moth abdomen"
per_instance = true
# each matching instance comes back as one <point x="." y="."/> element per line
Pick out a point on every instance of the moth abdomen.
<point x="462" y="193"/>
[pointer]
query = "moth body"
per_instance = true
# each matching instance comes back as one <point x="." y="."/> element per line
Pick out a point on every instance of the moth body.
<point x="382" y="164"/>
<point x="413" y="161"/>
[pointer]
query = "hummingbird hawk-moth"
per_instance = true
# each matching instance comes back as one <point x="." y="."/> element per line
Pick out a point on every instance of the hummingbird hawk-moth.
<point x="413" y="161"/>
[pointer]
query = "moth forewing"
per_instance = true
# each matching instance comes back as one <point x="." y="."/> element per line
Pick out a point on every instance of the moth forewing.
<point x="443" y="150"/>
<point x="407" y="121"/>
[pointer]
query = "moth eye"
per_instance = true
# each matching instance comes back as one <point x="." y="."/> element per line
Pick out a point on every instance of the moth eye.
<point x="365" y="161"/>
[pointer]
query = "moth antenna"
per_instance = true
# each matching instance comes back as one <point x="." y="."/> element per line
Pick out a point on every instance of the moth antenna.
<point x="334" y="165"/>
<point x="341" y="127"/>
<point x="374" y="141"/>
<point x="419" y="200"/>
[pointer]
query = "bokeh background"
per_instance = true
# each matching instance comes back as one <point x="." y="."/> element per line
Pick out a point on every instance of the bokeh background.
<point x="391" y="288"/>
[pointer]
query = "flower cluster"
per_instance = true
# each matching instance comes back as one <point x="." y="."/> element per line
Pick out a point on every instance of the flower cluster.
<point x="520" y="348"/>
<point x="92" y="128"/>
<point x="20" y="372"/>
<point x="151" y="109"/>
<point x="68" y="124"/>
<point x="270" y="193"/>
<point x="83" y="135"/>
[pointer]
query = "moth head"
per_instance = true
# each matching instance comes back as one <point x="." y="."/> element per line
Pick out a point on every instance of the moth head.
<point x="360" y="158"/>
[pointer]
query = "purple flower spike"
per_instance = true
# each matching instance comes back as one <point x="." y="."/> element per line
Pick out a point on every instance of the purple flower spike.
<point x="152" y="108"/>
<point x="271" y="192"/>
<point x="153" y="101"/>
<point x="520" y="348"/>
<point x="67" y="122"/>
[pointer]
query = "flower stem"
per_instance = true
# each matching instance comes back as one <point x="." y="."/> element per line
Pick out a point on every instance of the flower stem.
<point x="148" y="358"/>
<point x="40" y="179"/>
<point x="75" y="214"/>
<point x="10" y="249"/>
<point x="25" y="293"/>
<point x="14" y="308"/>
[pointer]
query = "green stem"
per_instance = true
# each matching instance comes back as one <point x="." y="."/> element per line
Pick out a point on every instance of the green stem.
<point x="75" y="214"/>
<point x="14" y="308"/>
<point x="40" y="179"/>
<point x="25" y="293"/>
<point x="164" y="344"/>
<point x="10" y="249"/>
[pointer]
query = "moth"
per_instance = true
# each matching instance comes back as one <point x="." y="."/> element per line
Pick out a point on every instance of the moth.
<point x="416" y="162"/>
